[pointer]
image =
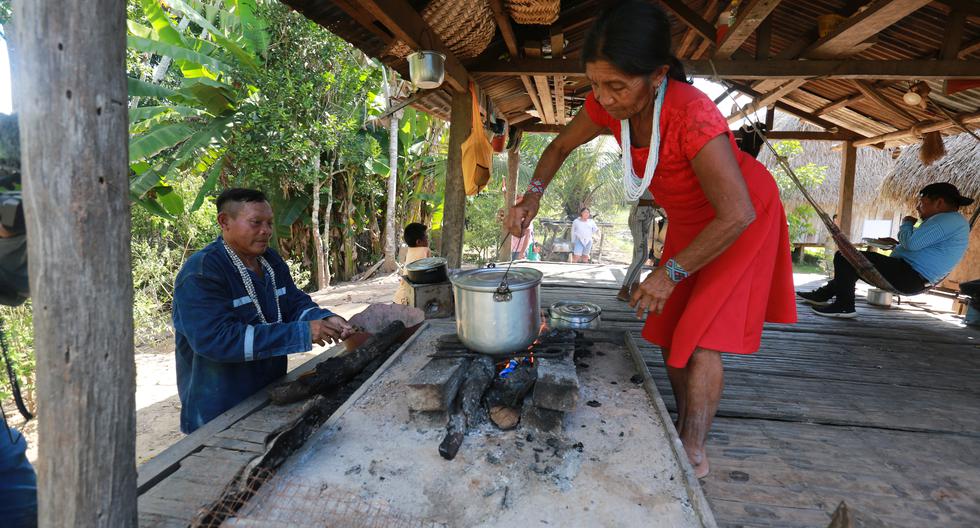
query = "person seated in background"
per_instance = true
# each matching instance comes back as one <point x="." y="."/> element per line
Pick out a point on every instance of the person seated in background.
<point x="583" y="229"/>
<point x="519" y="245"/>
<point x="237" y="313"/>
<point x="417" y="240"/>
<point x="534" y="252"/>
<point x="922" y="257"/>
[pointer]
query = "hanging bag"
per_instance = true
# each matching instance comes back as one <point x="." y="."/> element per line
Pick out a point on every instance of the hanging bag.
<point x="477" y="154"/>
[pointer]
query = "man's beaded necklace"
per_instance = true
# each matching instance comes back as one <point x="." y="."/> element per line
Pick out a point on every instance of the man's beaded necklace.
<point x="249" y="287"/>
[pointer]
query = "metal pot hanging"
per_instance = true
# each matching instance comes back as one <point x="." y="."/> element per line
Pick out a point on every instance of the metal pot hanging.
<point x="427" y="69"/>
<point x="495" y="324"/>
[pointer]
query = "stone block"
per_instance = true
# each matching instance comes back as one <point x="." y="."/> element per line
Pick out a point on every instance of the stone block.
<point x="557" y="385"/>
<point x="541" y="420"/>
<point x="434" y="385"/>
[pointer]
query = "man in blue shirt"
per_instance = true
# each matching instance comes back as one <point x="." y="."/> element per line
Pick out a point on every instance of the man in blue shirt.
<point x="18" y="484"/>
<point x="237" y="313"/>
<point x="923" y="255"/>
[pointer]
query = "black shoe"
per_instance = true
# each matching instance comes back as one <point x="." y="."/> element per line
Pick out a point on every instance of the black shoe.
<point x="819" y="297"/>
<point x="835" y="310"/>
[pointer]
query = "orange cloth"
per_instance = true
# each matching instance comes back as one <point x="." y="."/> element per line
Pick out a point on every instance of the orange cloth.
<point x="723" y="305"/>
<point x="477" y="154"/>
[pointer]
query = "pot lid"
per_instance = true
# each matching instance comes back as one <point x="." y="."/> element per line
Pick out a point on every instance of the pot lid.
<point x="426" y="264"/>
<point x="488" y="279"/>
<point x="575" y="311"/>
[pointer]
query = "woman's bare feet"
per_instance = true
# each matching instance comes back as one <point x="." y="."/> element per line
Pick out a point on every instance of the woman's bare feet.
<point x="699" y="461"/>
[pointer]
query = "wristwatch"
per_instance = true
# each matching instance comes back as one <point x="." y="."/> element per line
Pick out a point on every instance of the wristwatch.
<point x="675" y="272"/>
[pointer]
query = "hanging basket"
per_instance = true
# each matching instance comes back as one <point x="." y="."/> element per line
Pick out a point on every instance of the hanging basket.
<point x="540" y="12"/>
<point x="464" y="26"/>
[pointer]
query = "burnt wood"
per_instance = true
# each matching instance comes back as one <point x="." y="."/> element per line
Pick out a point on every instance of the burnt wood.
<point x="510" y="391"/>
<point x="341" y="369"/>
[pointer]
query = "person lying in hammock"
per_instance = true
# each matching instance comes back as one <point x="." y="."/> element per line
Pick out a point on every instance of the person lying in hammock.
<point x="923" y="255"/>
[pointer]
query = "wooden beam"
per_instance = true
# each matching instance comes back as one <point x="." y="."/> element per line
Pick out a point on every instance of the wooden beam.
<point x="770" y="117"/>
<point x="543" y="128"/>
<point x="557" y="48"/>
<point x="691" y="18"/>
<point x="969" y="120"/>
<point x="544" y="93"/>
<point x="840" y="103"/>
<point x="510" y="40"/>
<point x="766" y="99"/>
<point x="407" y="25"/>
<point x="750" y="16"/>
<point x="884" y="103"/>
<point x="763" y="40"/>
<point x="968" y="49"/>
<point x="801" y="135"/>
<point x="454" y="209"/>
<point x="76" y="204"/>
<point x="845" y="204"/>
<point x="799" y="112"/>
<point x="761" y="69"/>
<point x="954" y="35"/>
<point x="862" y="26"/>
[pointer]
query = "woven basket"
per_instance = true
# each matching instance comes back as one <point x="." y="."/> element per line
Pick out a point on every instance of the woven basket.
<point x="543" y="12"/>
<point x="464" y="26"/>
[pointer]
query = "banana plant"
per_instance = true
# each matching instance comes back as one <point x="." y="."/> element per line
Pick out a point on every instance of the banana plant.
<point x="183" y="130"/>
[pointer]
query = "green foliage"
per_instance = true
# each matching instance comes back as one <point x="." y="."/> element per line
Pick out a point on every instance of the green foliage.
<point x="810" y="175"/>
<point x="18" y="322"/>
<point x="483" y="231"/>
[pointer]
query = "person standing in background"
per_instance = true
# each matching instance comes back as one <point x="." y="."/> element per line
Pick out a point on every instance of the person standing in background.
<point x="519" y="245"/>
<point x="583" y="228"/>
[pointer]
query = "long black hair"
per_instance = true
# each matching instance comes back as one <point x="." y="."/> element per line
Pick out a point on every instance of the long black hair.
<point x="635" y="37"/>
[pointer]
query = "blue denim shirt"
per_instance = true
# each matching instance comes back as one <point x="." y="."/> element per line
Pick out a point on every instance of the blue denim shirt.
<point x="18" y="484"/>
<point x="224" y="352"/>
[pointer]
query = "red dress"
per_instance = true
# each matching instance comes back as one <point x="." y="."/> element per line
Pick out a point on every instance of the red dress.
<point x="723" y="305"/>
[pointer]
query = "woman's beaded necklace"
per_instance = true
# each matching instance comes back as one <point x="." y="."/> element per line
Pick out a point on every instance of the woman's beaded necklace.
<point x="250" y="287"/>
<point x="632" y="184"/>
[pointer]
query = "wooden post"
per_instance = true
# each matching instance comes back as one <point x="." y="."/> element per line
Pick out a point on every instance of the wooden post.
<point x="846" y="203"/>
<point x="73" y="129"/>
<point x="454" y="206"/>
<point x="510" y="192"/>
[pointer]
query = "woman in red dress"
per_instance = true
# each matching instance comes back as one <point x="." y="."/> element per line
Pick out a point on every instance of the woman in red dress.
<point x="726" y="262"/>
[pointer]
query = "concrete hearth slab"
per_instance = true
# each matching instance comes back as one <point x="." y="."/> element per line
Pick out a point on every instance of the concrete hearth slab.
<point x="611" y="465"/>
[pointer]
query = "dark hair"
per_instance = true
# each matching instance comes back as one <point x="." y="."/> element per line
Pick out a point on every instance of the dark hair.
<point x="584" y="209"/>
<point x="414" y="233"/>
<point x="947" y="191"/>
<point x="635" y="37"/>
<point x="238" y="195"/>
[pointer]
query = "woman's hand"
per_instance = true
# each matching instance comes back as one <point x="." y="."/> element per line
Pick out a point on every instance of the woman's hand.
<point x="521" y="214"/>
<point x="653" y="293"/>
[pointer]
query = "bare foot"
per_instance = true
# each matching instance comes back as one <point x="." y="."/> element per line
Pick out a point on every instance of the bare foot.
<point x="699" y="461"/>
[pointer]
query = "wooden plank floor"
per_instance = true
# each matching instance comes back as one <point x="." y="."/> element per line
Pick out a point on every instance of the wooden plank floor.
<point x="882" y="411"/>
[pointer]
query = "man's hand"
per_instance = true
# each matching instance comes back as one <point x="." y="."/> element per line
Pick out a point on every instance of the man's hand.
<point x="653" y="293"/>
<point x="910" y="219"/>
<point x="520" y="215"/>
<point x="330" y="330"/>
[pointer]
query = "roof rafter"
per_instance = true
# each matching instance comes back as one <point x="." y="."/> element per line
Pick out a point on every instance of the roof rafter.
<point x="879" y="15"/>
<point x="750" y="16"/>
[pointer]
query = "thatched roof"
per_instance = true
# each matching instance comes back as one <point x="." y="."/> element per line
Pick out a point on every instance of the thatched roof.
<point x="960" y="166"/>
<point x="873" y="166"/>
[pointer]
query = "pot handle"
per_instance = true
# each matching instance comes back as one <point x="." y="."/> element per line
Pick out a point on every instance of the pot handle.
<point x="491" y="265"/>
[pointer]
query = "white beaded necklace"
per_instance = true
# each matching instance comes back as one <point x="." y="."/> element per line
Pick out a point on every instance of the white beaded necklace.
<point x="633" y="185"/>
<point x="249" y="287"/>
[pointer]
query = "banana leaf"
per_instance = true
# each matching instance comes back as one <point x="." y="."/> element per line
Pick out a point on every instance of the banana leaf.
<point x="253" y="27"/>
<point x="216" y="99"/>
<point x="138" y="88"/>
<point x="186" y="57"/>
<point x="245" y="58"/>
<point x="209" y="183"/>
<point x="142" y="116"/>
<point x="201" y="139"/>
<point x="157" y="139"/>
<point x="162" y="27"/>
<point x="152" y="206"/>
<point x="170" y="200"/>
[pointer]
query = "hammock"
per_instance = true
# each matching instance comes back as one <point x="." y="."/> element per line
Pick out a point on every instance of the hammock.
<point x="864" y="268"/>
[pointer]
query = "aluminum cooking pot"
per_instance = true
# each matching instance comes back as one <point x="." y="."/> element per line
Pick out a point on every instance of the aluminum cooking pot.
<point x="494" y="325"/>
<point x="574" y="315"/>
<point x="427" y="69"/>
<point x="431" y="270"/>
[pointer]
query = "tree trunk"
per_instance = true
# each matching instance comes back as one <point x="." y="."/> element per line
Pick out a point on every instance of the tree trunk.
<point x="391" y="216"/>
<point x="510" y="194"/>
<point x="321" y="264"/>
<point x="325" y="234"/>
<point x="454" y="208"/>
<point x="73" y="129"/>
<point x="350" y="246"/>
<point x="160" y="71"/>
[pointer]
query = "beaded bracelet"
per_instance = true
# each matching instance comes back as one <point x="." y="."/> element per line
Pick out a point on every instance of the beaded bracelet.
<point x="535" y="186"/>
<point x="675" y="272"/>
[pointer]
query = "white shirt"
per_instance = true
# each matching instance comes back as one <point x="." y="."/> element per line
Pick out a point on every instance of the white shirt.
<point x="583" y="230"/>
